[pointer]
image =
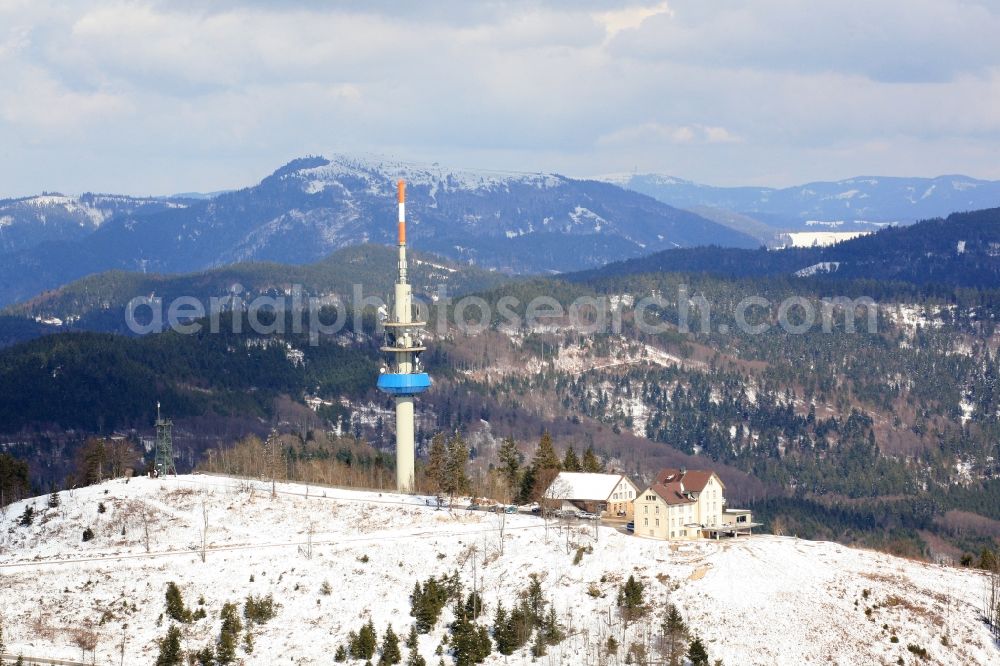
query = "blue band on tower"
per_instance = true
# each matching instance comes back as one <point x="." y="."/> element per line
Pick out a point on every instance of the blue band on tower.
<point x="404" y="384"/>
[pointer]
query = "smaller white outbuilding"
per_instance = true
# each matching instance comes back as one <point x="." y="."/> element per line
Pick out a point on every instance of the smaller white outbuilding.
<point x="607" y="495"/>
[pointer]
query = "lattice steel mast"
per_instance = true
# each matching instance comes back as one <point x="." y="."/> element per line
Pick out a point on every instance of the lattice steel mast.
<point x="163" y="463"/>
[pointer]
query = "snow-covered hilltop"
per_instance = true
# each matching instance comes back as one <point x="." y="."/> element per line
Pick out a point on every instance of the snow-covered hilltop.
<point x="381" y="172"/>
<point x="762" y="600"/>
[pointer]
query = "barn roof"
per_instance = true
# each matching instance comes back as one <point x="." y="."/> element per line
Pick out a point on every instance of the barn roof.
<point x="583" y="486"/>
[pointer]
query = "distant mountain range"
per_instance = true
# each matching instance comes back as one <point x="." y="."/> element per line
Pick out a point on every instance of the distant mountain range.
<point x="861" y="203"/>
<point x="962" y="250"/>
<point x="515" y="222"/>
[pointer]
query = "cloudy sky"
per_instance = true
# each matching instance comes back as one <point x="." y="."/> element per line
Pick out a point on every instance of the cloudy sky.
<point x="159" y="97"/>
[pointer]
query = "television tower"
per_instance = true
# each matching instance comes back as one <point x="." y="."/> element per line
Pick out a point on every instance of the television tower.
<point x="402" y="377"/>
<point x="164" y="461"/>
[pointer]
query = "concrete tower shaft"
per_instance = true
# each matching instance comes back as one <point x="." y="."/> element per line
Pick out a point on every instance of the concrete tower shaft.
<point x="402" y="377"/>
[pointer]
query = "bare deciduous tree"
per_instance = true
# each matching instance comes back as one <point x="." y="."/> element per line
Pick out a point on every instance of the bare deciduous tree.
<point x="555" y="492"/>
<point x="204" y="529"/>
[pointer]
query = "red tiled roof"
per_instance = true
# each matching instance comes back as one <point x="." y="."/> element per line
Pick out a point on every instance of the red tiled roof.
<point x="695" y="480"/>
<point x="671" y="493"/>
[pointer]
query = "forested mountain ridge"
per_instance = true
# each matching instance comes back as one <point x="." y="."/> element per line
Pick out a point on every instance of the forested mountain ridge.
<point x="885" y="432"/>
<point x="313" y="206"/>
<point x="57" y="390"/>
<point x="98" y="302"/>
<point x="962" y="250"/>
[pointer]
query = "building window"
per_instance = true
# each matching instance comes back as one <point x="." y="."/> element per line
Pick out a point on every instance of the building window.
<point x="657" y="522"/>
<point x="645" y="509"/>
<point x="645" y="522"/>
<point x="657" y="508"/>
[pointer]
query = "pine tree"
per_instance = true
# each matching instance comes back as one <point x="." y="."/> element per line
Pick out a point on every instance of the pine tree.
<point x="437" y="460"/>
<point x="483" y="644"/>
<point x="175" y="604"/>
<point x="28" y="516"/>
<point x="340" y="655"/>
<point x="590" y="461"/>
<point x="232" y="625"/>
<point x="538" y="648"/>
<point x="570" y="462"/>
<point x="510" y="464"/>
<point x="367" y="641"/>
<point x="426" y="603"/>
<point x="675" y="635"/>
<point x="545" y="455"/>
<point x="473" y="605"/>
<point x="535" y="599"/>
<point x="225" y="652"/>
<point x="206" y="656"/>
<point x="528" y="479"/>
<point x="390" y="648"/>
<point x="611" y="647"/>
<point x="503" y="631"/>
<point x="630" y="599"/>
<point x="413" y="645"/>
<point x="551" y="628"/>
<point x="456" y="481"/>
<point x="54" y="499"/>
<point x="521" y="623"/>
<point x="170" y="648"/>
<point x="470" y="643"/>
<point x="697" y="654"/>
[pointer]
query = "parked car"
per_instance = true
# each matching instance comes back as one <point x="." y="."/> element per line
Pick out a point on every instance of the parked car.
<point x="586" y="515"/>
<point x="535" y="509"/>
<point x="510" y="508"/>
<point x="473" y="507"/>
<point x="630" y="527"/>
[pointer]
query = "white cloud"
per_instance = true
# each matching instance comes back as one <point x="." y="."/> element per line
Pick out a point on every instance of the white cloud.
<point x="724" y="91"/>
<point x="616" y="20"/>
<point x="654" y="133"/>
<point x="888" y="40"/>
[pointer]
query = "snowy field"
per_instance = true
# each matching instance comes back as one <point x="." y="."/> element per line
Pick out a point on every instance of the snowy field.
<point x="821" y="238"/>
<point x="758" y="600"/>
